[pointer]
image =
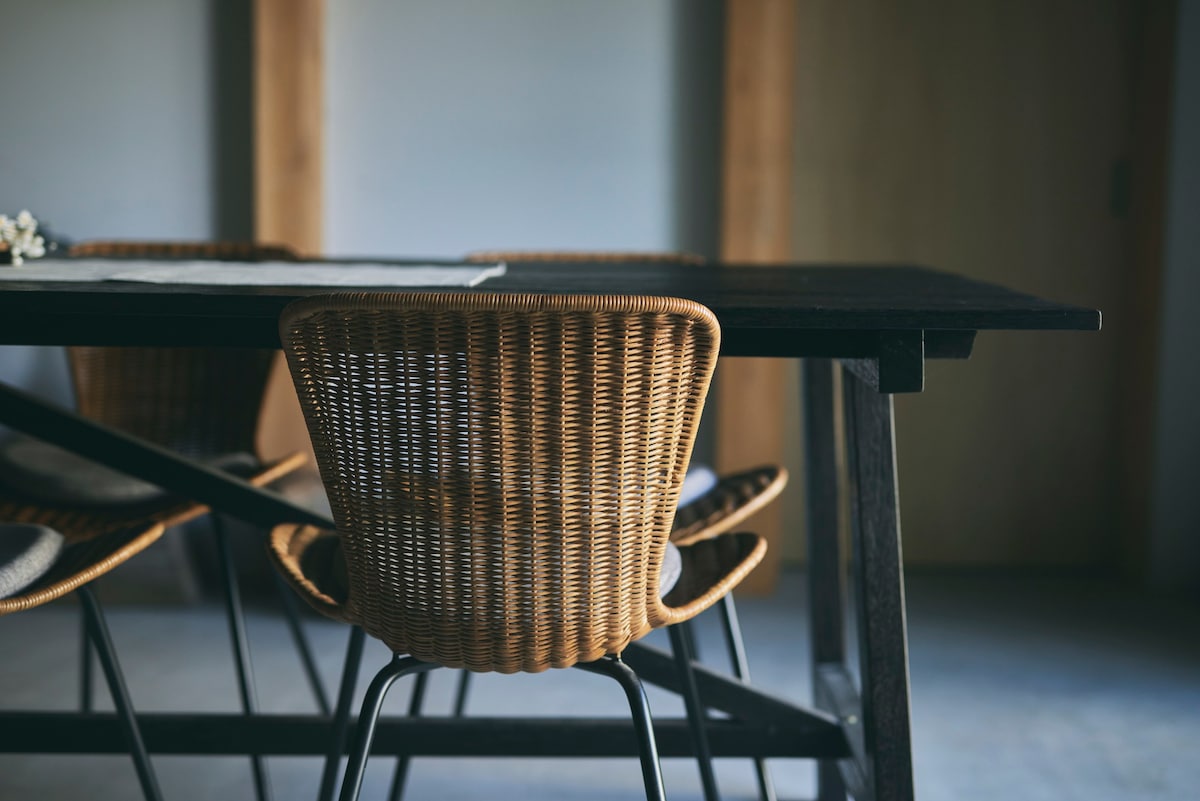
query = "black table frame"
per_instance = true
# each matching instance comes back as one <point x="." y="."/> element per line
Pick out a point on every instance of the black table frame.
<point x="880" y="324"/>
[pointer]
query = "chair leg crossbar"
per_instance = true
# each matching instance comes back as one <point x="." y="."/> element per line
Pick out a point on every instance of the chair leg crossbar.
<point x="401" y="666"/>
<point x="686" y="651"/>
<point x="242" y="662"/>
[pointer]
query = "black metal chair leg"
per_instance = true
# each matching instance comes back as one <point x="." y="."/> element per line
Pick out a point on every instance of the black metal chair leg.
<point x="460" y="696"/>
<point x="241" y="646"/>
<point x="341" y="717"/>
<point x="85" y="665"/>
<point x="369" y="716"/>
<point x="291" y="613"/>
<point x="639" y="708"/>
<point x="403" y="761"/>
<point x="98" y="633"/>
<point x="741" y="670"/>
<point x="695" y="712"/>
<point x="688" y="631"/>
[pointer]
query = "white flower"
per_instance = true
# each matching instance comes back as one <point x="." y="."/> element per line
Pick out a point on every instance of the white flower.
<point x="21" y="237"/>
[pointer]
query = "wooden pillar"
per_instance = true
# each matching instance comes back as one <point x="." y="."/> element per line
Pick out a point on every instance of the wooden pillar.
<point x="756" y="201"/>
<point x="289" y="85"/>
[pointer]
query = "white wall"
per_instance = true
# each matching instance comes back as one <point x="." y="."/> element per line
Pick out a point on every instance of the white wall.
<point x="123" y="118"/>
<point x="469" y="124"/>
<point x="1175" y="512"/>
<point x="107" y="129"/>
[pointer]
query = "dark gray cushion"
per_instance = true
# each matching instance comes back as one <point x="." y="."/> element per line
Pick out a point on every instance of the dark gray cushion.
<point x="27" y="551"/>
<point x="49" y="473"/>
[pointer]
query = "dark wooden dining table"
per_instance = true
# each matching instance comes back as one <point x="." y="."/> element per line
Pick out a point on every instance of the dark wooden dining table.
<point x="876" y="324"/>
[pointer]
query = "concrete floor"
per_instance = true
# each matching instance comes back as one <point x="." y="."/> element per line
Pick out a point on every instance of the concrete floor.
<point x="1031" y="688"/>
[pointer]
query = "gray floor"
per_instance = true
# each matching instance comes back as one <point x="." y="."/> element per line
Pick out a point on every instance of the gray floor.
<point x="1029" y="688"/>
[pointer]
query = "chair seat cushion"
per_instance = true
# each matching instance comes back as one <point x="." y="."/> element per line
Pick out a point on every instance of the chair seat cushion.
<point x="671" y="568"/>
<point x="698" y="480"/>
<point x="49" y="473"/>
<point x="27" y="551"/>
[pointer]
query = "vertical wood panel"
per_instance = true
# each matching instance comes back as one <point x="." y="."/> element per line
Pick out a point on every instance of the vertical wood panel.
<point x="288" y="122"/>
<point x="756" y="219"/>
<point x="289" y="85"/>
<point x="981" y="138"/>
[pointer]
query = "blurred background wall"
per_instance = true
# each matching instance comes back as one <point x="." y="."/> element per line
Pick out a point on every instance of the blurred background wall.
<point x="994" y="139"/>
<point x="463" y="125"/>
<point x="118" y="124"/>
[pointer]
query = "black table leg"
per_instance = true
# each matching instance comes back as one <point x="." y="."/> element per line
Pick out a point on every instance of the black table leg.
<point x="826" y="594"/>
<point x="885" y="764"/>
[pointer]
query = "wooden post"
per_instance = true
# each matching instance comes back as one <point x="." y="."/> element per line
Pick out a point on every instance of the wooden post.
<point x="289" y="85"/>
<point x="756" y="202"/>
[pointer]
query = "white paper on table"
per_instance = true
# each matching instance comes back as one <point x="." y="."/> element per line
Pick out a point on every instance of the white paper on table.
<point x="213" y="273"/>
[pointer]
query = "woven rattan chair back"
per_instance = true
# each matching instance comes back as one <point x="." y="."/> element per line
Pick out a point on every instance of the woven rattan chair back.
<point x="197" y="401"/>
<point x="152" y="249"/>
<point x="502" y="469"/>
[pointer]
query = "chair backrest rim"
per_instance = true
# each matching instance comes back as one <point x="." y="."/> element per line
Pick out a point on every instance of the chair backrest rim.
<point x="529" y="445"/>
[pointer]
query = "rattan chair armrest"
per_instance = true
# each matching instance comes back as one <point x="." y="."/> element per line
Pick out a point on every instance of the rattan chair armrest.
<point x="97" y="535"/>
<point x="274" y="470"/>
<point x="711" y="569"/>
<point x="734" y="499"/>
<point x="83" y="561"/>
<point x="310" y="560"/>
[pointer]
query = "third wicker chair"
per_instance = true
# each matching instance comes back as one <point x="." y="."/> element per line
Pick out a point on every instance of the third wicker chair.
<point x="202" y="403"/>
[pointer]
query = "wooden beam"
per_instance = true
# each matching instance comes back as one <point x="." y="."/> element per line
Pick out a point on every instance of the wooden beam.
<point x="756" y="203"/>
<point x="288" y="122"/>
<point x="289" y="81"/>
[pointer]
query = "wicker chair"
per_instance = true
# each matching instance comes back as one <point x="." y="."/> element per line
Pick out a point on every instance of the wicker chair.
<point x="503" y="472"/>
<point x="202" y="403"/>
<point x="87" y="544"/>
<point x="726" y="502"/>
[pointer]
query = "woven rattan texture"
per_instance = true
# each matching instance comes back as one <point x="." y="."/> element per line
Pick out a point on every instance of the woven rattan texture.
<point x="152" y="249"/>
<point x="503" y="470"/>
<point x="197" y="401"/>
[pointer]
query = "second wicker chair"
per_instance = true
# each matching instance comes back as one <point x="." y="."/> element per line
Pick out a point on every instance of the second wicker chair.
<point x="503" y="472"/>
<point x="203" y="403"/>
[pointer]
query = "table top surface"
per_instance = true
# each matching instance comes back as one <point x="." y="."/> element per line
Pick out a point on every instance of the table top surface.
<point x="789" y="310"/>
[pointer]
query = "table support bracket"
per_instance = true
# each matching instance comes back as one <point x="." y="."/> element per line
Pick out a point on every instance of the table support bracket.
<point x="899" y="367"/>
